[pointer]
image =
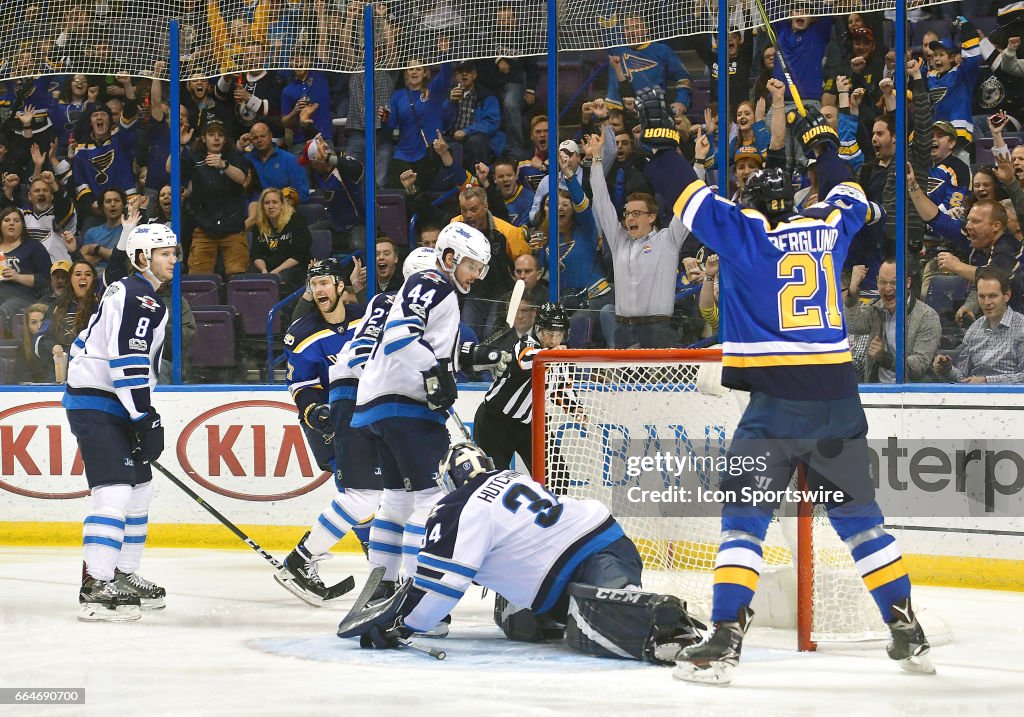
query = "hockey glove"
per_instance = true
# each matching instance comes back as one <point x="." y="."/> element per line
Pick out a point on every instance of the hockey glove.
<point x="439" y="383"/>
<point x="383" y="637"/>
<point x="813" y="130"/>
<point x="479" y="357"/>
<point x="148" y="437"/>
<point x="317" y="417"/>
<point x="657" y="126"/>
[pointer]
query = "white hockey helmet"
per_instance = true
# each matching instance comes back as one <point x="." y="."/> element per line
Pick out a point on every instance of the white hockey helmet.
<point x="463" y="462"/>
<point x="467" y="243"/>
<point x="146" y="238"/>
<point x="420" y="259"/>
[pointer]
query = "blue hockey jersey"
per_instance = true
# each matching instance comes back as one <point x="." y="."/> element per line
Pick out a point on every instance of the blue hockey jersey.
<point x="652" y="64"/>
<point x="108" y="165"/>
<point x="949" y="183"/>
<point x="312" y="346"/>
<point x="784" y="333"/>
<point x="952" y="92"/>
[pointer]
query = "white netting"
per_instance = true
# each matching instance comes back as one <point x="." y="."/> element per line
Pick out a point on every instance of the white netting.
<point x="656" y="404"/>
<point x="222" y="36"/>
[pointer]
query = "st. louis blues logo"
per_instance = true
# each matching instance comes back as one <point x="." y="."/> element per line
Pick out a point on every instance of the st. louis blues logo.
<point x="101" y="163"/>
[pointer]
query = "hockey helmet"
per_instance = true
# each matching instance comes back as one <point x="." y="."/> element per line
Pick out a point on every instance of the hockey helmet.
<point x="463" y="462"/>
<point x="327" y="267"/>
<point x="769" y="191"/>
<point x="551" y="317"/>
<point x="420" y="259"/>
<point x="146" y="238"/>
<point x="466" y="243"/>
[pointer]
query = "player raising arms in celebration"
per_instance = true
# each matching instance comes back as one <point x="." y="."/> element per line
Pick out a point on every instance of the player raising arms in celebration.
<point x="408" y="385"/>
<point x="784" y="341"/>
<point x="566" y="561"/>
<point x="112" y="371"/>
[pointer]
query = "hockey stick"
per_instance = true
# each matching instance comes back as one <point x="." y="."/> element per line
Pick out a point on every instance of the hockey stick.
<point x="510" y="316"/>
<point x="335" y="591"/>
<point x="462" y="426"/>
<point x="432" y="651"/>
<point x="781" y="59"/>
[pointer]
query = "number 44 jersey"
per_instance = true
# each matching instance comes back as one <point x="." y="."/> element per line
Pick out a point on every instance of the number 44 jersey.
<point x="505" y="532"/>
<point x="782" y="325"/>
<point x="421" y="330"/>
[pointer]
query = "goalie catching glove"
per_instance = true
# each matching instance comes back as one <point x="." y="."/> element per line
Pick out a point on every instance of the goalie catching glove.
<point x="812" y="130"/>
<point x="657" y="125"/>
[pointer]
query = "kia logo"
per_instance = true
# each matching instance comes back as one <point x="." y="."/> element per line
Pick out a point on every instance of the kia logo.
<point x="242" y="450"/>
<point x="40" y="451"/>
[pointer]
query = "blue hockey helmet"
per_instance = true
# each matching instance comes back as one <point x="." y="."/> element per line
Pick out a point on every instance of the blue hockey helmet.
<point x="463" y="462"/>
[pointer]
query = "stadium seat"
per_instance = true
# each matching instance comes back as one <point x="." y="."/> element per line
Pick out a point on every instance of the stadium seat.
<point x="18" y="327"/>
<point x="200" y="291"/>
<point x="9" y="349"/>
<point x="321" y="243"/>
<point x="391" y="219"/>
<point x="214" y="344"/>
<point x="946" y="294"/>
<point x="312" y="213"/>
<point x="253" y="295"/>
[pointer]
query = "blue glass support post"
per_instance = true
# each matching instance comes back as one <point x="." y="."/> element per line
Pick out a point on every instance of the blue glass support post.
<point x="174" y="100"/>
<point x="900" y="80"/>
<point x="370" y="172"/>
<point x="723" y="98"/>
<point x="553" y="150"/>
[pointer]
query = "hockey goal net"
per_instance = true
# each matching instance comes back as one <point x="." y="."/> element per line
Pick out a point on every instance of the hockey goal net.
<point x="599" y="413"/>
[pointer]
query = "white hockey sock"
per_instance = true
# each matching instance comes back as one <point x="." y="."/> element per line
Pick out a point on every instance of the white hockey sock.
<point x="386" y="531"/>
<point x="348" y="509"/>
<point x="136" y="526"/>
<point x="415" y="532"/>
<point x="103" y="530"/>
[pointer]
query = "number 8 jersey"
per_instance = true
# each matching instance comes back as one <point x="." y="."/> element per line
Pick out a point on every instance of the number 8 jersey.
<point x="115" y="361"/>
<point x="784" y="332"/>
<point x="505" y="532"/>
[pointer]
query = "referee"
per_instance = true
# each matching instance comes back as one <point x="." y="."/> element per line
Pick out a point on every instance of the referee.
<point x="502" y="425"/>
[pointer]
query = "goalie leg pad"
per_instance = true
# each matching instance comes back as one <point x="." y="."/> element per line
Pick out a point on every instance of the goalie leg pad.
<point x="521" y="624"/>
<point x="627" y="624"/>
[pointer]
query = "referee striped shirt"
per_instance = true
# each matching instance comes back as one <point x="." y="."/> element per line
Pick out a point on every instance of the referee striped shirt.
<point x="510" y="394"/>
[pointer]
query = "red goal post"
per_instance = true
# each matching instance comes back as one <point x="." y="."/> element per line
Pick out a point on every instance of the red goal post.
<point x="590" y="390"/>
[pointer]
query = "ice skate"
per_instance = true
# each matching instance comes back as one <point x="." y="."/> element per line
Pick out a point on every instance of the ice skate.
<point x="151" y="596"/>
<point x="908" y="644"/>
<point x="711" y="662"/>
<point x="105" y="600"/>
<point x="299" y="575"/>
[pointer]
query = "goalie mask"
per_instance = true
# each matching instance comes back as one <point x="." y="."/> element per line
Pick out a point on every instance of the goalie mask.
<point x="464" y="242"/>
<point x="420" y="259"/>
<point x="463" y="462"/>
<point x="769" y="191"/>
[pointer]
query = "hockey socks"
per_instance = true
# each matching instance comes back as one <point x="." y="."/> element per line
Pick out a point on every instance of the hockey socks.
<point x="415" y="531"/>
<point x="349" y="510"/>
<point x="739" y="562"/>
<point x="135" y="528"/>
<point x="103" y="530"/>
<point x="387" y="529"/>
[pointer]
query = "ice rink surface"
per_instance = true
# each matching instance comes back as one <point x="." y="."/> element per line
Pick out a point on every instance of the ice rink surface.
<point x="232" y="641"/>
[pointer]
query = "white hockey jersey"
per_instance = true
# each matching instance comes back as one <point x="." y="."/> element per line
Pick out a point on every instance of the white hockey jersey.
<point x="344" y="374"/>
<point x="115" y="362"/>
<point x="421" y="330"/>
<point x="505" y="532"/>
